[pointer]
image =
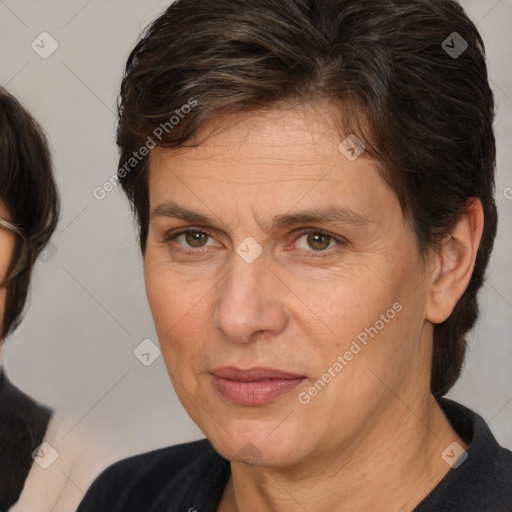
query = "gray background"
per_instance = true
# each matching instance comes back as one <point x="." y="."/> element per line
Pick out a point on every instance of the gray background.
<point x="88" y="310"/>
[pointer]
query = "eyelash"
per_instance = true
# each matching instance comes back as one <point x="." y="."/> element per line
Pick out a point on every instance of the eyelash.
<point x="341" y="242"/>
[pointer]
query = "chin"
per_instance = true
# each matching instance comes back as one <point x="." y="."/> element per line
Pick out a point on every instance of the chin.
<point x="253" y="445"/>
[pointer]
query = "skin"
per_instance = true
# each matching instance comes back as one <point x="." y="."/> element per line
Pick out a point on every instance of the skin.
<point x="7" y="244"/>
<point x="372" y="438"/>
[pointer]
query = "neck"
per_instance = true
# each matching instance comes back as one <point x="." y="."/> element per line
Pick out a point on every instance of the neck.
<point x="392" y="468"/>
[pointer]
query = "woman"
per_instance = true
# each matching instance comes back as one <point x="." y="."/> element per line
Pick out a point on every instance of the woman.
<point x="28" y="215"/>
<point x="316" y="219"/>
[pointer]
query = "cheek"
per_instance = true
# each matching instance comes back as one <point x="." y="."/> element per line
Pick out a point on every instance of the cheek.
<point x="374" y="327"/>
<point x="170" y="295"/>
<point x="180" y="310"/>
<point x="3" y="293"/>
<point x="7" y="243"/>
<point x="338" y="312"/>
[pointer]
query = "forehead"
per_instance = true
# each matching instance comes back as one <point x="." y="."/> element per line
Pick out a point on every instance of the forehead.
<point x="304" y="132"/>
<point x="272" y="159"/>
<point x="303" y="136"/>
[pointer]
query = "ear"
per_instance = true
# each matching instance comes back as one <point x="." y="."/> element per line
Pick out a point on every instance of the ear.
<point x="454" y="263"/>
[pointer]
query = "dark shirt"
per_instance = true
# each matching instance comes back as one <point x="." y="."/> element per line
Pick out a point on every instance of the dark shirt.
<point x="23" y="424"/>
<point x="192" y="477"/>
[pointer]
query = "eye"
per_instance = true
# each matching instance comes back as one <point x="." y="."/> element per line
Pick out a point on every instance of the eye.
<point x="313" y="241"/>
<point x="190" y="238"/>
<point x="316" y="241"/>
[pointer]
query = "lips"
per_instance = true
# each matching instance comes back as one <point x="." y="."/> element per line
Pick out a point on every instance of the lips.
<point x="254" y="386"/>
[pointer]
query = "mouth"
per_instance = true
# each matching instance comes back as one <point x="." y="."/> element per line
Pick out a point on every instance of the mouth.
<point x="254" y="386"/>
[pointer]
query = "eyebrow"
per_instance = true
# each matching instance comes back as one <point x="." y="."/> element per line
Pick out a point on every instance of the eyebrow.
<point x="176" y="211"/>
<point x="328" y="215"/>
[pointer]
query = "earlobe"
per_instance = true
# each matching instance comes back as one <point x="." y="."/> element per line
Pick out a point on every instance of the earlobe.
<point x="455" y="263"/>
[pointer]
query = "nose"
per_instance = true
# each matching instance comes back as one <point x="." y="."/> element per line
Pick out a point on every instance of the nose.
<point x="250" y="302"/>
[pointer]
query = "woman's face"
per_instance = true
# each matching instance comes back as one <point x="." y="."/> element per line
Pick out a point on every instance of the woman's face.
<point x="292" y="314"/>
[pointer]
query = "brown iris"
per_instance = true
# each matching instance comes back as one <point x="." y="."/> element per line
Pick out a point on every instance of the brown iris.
<point x="318" y="241"/>
<point x="196" y="238"/>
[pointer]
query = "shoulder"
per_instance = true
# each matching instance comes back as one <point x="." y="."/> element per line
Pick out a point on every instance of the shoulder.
<point x="135" y="482"/>
<point x="21" y="412"/>
<point x="481" y="481"/>
<point x="69" y="460"/>
<point x="173" y="459"/>
<point x="23" y="423"/>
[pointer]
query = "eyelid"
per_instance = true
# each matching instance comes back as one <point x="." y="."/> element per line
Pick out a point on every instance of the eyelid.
<point x="173" y="233"/>
<point x="340" y="241"/>
<point x="306" y="231"/>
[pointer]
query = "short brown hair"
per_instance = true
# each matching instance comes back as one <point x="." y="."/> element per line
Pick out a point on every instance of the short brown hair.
<point x="28" y="191"/>
<point x="424" y="112"/>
